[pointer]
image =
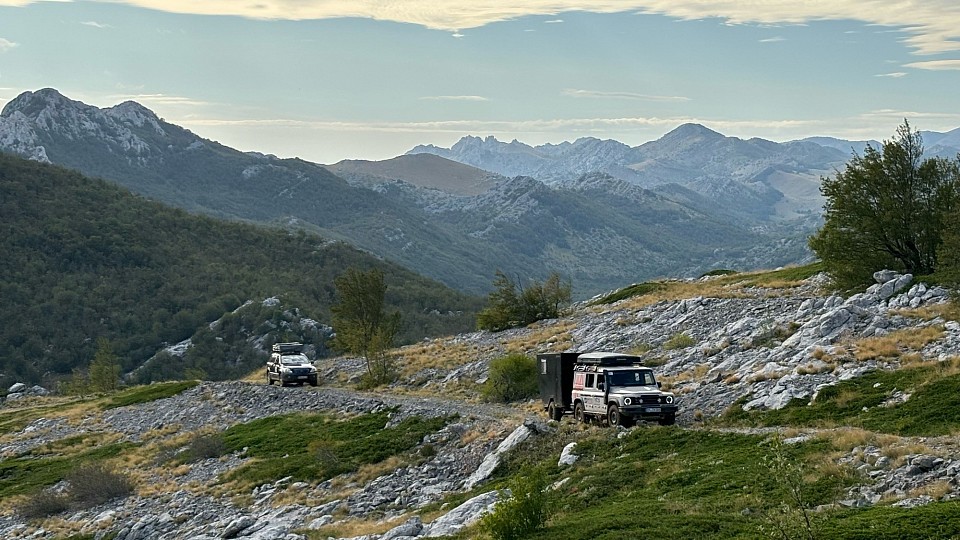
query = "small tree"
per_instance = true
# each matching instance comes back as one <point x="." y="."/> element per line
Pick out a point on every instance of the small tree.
<point x="361" y="324"/>
<point x="508" y="308"/>
<point x="105" y="368"/>
<point x="512" y="378"/>
<point x="886" y="210"/>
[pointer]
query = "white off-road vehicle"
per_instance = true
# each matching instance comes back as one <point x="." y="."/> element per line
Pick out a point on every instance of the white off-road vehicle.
<point x="603" y="385"/>
<point x="288" y="365"/>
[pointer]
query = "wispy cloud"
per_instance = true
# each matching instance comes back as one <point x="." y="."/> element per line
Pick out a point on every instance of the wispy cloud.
<point x="930" y="27"/>
<point x="935" y="65"/>
<point x="508" y="126"/>
<point x="159" y="99"/>
<point x="899" y="115"/>
<point x="894" y="75"/>
<point x="6" y="45"/>
<point x="553" y="21"/>
<point x="775" y="39"/>
<point x="95" y="24"/>
<point x="455" y="98"/>
<point x="572" y="92"/>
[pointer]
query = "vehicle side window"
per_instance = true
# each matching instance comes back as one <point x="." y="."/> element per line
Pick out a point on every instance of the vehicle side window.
<point x="589" y="383"/>
<point x="599" y="381"/>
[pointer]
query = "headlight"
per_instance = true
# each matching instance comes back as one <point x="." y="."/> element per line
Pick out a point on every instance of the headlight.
<point x="627" y="401"/>
<point x="669" y="399"/>
<point x="286" y="370"/>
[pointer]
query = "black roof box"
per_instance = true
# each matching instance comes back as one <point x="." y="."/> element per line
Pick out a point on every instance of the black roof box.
<point x="288" y="348"/>
<point x="609" y="359"/>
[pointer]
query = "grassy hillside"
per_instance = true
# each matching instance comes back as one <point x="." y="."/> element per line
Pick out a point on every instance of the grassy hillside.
<point x="83" y="259"/>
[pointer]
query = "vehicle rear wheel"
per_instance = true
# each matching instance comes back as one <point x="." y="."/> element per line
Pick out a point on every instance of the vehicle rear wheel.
<point x="613" y="415"/>
<point x="578" y="413"/>
<point x="554" y="412"/>
<point x="667" y="420"/>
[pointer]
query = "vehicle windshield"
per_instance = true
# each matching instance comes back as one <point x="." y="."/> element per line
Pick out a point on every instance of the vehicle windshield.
<point x="294" y="359"/>
<point x="631" y="378"/>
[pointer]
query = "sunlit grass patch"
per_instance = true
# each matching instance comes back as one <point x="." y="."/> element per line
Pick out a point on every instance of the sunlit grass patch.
<point x="315" y="447"/>
<point x="875" y="402"/>
<point x="147" y="393"/>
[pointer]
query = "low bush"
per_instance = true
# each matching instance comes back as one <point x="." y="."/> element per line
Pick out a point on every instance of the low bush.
<point x="512" y="378"/>
<point x="205" y="446"/>
<point x="679" y="341"/>
<point x="524" y="510"/>
<point x="43" y="504"/>
<point x="95" y="483"/>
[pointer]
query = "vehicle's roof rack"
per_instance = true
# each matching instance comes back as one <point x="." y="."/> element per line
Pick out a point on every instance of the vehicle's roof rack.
<point x="609" y="359"/>
<point x="288" y="348"/>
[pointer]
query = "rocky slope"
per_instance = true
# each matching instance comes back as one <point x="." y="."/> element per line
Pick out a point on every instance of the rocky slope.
<point x="747" y="342"/>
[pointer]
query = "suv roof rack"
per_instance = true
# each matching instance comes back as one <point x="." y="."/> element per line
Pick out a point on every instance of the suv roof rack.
<point x="288" y="348"/>
<point x="609" y="359"/>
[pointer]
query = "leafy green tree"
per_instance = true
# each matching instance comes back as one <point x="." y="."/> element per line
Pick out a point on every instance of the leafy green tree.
<point x="886" y="209"/>
<point x="508" y="308"/>
<point x="361" y="323"/>
<point x="105" y="368"/>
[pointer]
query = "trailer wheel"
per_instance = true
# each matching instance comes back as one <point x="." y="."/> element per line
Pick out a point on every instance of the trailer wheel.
<point x="578" y="413"/>
<point x="554" y="412"/>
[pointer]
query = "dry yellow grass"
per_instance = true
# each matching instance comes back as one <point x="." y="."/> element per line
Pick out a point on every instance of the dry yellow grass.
<point x="895" y="344"/>
<point x="949" y="311"/>
<point x="936" y="490"/>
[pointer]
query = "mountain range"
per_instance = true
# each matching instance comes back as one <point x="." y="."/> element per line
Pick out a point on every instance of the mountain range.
<point x="599" y="212"/>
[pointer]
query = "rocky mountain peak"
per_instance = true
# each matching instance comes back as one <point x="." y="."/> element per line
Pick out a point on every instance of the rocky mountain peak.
<point x="691" y="133"/>
<point x="32" y="104"/>
<point x="133" y="112"/>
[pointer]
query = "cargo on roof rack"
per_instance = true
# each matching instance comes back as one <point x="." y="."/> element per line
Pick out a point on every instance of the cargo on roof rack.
<point x="609" y="359"/>
<point x="288" y="348"/>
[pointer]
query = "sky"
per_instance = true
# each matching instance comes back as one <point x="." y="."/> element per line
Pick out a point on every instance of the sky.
<point x="327" y="80"/>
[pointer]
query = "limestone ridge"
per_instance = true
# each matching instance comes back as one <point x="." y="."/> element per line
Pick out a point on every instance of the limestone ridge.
<point x="430" y="215"/>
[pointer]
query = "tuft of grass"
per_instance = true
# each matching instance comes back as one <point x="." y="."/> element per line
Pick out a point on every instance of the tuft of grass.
<point x="680" y="340"/>
<point x="147" y="393"/>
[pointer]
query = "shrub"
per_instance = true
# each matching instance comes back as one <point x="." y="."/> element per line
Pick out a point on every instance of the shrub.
<point x="43" y="504"/>
<point x="719" y="272"/>
<point x="512" y="378"/>
<point x="205" y="447"/>
<point x="525" y="511"/>
<point x="678" y="341"/>
<point x="95" y="484"/>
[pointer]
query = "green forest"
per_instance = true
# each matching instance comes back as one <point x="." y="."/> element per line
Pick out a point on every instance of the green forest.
<point x="83" y="259"/>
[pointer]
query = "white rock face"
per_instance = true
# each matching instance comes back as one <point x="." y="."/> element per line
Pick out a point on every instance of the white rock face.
<point x="462" y="516"/>
<point x="492" y="459"/>
<point x="568" y="456"/>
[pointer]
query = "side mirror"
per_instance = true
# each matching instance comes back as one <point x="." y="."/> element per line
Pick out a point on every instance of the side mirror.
<point x="659" y="384"/>
<point x="599" y="386"/>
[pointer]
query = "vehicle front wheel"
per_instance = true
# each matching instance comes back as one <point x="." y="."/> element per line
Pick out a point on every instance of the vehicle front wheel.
<point x="667" y="420"/>
<point x="613" y="416"/>
<point x="578" y="413"/>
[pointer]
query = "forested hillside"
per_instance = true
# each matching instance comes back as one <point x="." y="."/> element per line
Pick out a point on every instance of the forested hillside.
<point x="83" y="259"/>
